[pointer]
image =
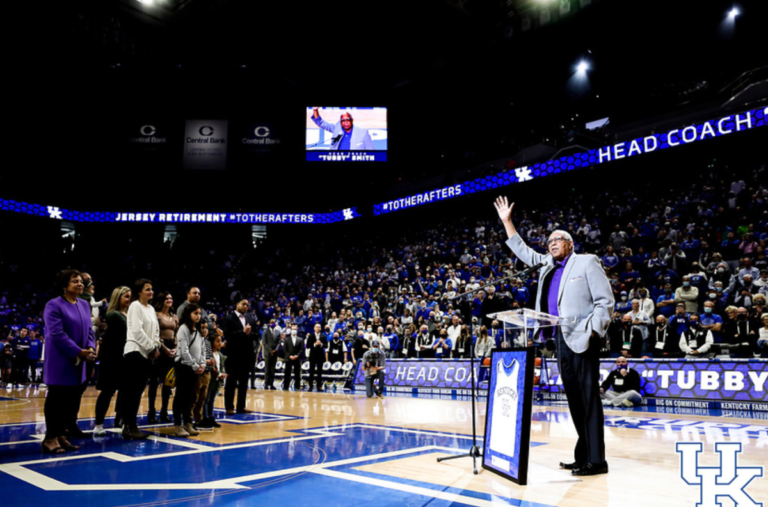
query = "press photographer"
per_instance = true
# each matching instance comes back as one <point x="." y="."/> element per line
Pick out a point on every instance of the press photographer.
<point x="374" y="362"/>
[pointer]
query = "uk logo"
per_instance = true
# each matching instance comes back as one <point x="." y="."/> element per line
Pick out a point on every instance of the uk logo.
<point x="523" y="174"/>
<point x="348" y="214"/>
<point x="54" y="212"/>
<point x="725" y="481"/>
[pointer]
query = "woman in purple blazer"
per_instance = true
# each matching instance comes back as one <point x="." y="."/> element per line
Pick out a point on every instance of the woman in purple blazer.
<point x="70" y="343"/>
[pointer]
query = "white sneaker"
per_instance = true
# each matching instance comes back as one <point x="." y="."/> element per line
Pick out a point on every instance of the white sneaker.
<point x="628" y="403"/>
<point x="99" y="431"/>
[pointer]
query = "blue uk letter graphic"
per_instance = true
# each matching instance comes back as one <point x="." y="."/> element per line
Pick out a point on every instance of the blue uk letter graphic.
<point x="717" y="483"/>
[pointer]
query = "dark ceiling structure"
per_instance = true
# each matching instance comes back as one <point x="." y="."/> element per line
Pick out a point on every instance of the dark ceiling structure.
<point x="466" y="81"/>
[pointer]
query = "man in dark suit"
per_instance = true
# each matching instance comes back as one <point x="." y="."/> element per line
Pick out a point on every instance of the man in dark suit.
<point x="294" y="351"/>
<point x="624" y="337"/>
<point x="316" y="343"/>
<point x="575" y="289"/>
<point x="269" y="343"/>
<point x="238" y="330"/>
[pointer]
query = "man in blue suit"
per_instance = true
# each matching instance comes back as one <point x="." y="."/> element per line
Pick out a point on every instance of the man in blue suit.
<point x="573" y="287"/>
<point x="346" y="136"/>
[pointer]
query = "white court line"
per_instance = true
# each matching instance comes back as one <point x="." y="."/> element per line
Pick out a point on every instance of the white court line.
<point x="46" y="483"/>
<point x="405" y="488"/>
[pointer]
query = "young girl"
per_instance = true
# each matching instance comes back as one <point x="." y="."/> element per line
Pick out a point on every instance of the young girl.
<point x="218" y="375"/>
<point x="190" y="364"/>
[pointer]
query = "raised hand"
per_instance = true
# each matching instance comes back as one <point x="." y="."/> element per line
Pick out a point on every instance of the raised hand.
<point x="504" y="209"/>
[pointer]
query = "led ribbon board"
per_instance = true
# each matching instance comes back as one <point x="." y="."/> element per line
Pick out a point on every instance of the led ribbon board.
<point x="178" y="218"/>
<point x="725" y="125"/>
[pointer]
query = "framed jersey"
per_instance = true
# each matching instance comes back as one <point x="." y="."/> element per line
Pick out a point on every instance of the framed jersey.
<point x="508" y="414"/>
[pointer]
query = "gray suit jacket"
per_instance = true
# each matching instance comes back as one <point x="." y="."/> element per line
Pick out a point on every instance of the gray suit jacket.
<point x="269" y="341"/>
<point x="584" y="293"/>
<point x="361" y="139"/>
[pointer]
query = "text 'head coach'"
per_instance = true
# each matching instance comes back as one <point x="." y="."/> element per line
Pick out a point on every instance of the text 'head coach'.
<point x="572" y="286"/>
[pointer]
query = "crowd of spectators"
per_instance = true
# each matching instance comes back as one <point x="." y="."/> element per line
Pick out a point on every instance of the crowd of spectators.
<point x="689" y="258"/>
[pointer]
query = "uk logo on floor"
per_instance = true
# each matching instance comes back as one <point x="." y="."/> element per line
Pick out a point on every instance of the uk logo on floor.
<point x="726" y="481"/>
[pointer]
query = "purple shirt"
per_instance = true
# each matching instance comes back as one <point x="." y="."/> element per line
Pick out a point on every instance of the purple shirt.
<point x="554" y="286"/>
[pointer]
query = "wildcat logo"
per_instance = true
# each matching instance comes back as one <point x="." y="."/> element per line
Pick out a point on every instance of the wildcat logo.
<point x="727" y="480"/>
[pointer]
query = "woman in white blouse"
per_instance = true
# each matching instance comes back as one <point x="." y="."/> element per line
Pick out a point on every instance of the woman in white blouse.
<point x="141" y="348"/>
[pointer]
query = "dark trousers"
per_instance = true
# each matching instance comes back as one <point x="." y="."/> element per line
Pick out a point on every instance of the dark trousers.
<point x="370" y="387"/>
<point x="210" y="399"/>
<point x="103" y="401"/>
<point x="137" y="371"/>
<point x="315" y="369"/>
<point x="32" y="365"/>
<point x="252" y="374"/>
<point x="20" y="367"/>
<point x="295" y="367"/>
<point x="237" y="378"/>
<point x="269" y="371"/>
<point x="61" y="407"/>
<point x="186" y="381"/>
<point x="581" y="380"/>
<point x="157" y="378"/>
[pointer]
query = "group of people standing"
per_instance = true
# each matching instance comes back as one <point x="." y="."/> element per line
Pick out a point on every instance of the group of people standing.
<point x="143" y="343"/>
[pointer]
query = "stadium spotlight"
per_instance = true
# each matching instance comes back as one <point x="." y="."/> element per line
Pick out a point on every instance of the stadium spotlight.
<point x="582" y="67"/>
<point x="733" y="13"/>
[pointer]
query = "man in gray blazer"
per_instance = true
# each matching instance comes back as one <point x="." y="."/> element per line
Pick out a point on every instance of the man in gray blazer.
<point x="345" y="135"/>
<point x="269" y="342"/>
<point x="575" y="288"/>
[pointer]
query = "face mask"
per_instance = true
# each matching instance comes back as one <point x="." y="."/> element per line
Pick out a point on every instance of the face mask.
<point x="667" y="290"/>
<point x="742" y="316"/>
<point x="643" y="294"/>
<point x="721" y="270"/>
<point x="719" y="289"/>
<point x="713" y="295"/>
<point x="623" y="366"/>
<point x="694" y="324"/>
<point x="424" y="332"/>
<point x="623" y="298"/>
<point x="293" y="332"/>
<point x="272" y="325"/>
<point x="686" y="284"/>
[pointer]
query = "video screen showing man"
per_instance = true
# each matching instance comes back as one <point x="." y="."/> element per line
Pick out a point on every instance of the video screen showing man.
<point x="346" y="136"/>
<point x="347" y="129"/>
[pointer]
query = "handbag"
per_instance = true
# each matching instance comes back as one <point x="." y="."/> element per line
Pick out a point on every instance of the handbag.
<point x="170" y="378"/>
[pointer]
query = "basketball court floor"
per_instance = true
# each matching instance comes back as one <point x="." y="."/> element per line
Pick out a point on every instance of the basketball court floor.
<point x="341" y="449"/>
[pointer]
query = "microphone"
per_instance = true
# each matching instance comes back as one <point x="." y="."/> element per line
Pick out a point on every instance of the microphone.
<point x="528" y="271"/>
<point x="334" y="140"/>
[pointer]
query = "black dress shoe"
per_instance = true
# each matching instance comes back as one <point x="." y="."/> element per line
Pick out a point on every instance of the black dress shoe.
<point x="591" y="469"/>
<point x="165" y="419"/>
<point x="572" y="466"/>
<point x="152" y="420"/>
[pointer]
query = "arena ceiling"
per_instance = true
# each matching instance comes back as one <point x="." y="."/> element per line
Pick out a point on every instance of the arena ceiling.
<point x="476" y="79"/>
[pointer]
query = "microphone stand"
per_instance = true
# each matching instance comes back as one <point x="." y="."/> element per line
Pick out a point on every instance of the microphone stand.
<point x="474" y="451"/>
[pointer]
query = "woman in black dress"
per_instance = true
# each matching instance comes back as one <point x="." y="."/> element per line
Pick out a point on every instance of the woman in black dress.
<point x="111" y="361"/>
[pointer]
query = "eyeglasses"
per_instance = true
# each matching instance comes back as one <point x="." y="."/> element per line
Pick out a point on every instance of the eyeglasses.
<point x="559" y="238"/>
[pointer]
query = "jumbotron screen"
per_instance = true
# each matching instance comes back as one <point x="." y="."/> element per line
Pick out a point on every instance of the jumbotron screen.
<point x="346" y="134"/>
